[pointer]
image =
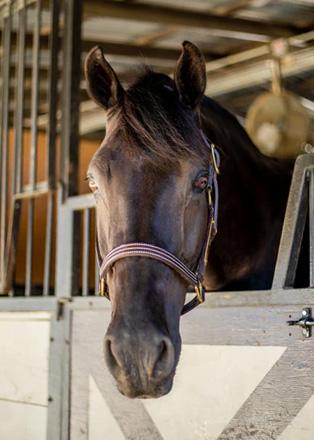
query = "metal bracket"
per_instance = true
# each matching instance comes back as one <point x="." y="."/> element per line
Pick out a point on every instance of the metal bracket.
<point x="60" y="306"/>
<point x="306" y="322"/>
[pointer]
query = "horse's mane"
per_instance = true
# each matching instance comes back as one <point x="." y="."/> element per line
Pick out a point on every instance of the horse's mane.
<point x="225" y="130"/>
<point x="154" y="120"/>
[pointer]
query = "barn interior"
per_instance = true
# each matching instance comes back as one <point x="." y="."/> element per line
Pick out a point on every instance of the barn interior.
<point x="50" y="128"/>
<point x="246" y="370"/>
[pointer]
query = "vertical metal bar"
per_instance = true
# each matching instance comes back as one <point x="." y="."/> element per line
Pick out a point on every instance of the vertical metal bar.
<point x="35" y="95"/>
<point x="76" y="252"/>
<point x="86" y="248"/>
<point x="19" y="107"/>
<point x="311" y="226"/>
<point x="96" y="279"/>
<point x="293" y="226"/>
<point x="47" y="268"/>
<point x="13" y="225"/>
<point x="96" y="267"/>
<point x="4" y="141"/>
<point x="52" y="102"/>
<point x="71" y="96"/>
<point x="70" y="121"/>
<point x="64" y="247"/>
<point x="33" y="146"/>
<point x="52" y="91"/>
<point x="29" y="247"/>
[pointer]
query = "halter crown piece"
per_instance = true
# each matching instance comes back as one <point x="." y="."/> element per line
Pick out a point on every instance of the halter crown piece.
<point x="146" y="250"/>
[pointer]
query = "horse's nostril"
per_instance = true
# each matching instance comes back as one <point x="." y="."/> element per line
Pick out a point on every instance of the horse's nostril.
<point x="111" y="358"/>
<point x="165" y="359"/>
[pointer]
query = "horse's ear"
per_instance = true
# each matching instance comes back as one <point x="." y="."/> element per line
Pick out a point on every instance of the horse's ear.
<point x="190" y="74"/>
<point x="103" y="85"/>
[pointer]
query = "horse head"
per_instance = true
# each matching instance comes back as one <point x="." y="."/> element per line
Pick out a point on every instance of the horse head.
<point x="150" y="178"/>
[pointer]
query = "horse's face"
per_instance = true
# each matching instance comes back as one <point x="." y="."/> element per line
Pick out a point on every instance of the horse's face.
<point x="139" y="199"/>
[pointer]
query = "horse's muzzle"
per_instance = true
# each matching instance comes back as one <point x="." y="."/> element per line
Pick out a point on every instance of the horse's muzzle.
<point x="142" y="362"/>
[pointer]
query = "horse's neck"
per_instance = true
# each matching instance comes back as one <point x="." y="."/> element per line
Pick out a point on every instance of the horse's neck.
<point x="253" y="191"/>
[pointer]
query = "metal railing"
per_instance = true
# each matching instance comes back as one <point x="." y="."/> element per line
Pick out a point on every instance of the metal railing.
<point x="21" y="30"/>
<point x="76" y="260"/>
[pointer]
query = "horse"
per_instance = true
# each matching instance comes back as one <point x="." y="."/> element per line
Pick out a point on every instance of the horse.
<point x="150" y="177"/>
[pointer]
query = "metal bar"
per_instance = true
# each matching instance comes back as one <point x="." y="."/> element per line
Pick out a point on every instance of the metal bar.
<point x="81" y="202"/>
<point x="18" y="139"/>
<point x="35" y="95"/>
<point x="76" y="252"/>
<point x="29" y="247"/>
<point x="96" y="266"/>
<point x="33" y="147"/>
<point x="31" y="194"/>
<point x="64" y="245"/>
<point x="293" y="227"/>
<point x="71" y="97"/>
<point x="86" y="249"/>
<point x="33" y="304"/>
<point x="48" y="241"/>
<point x="13" y="230"/>
<point x="96" y="292"/>
<point x="13" y="226"/>
<point x="52" y="92"/>
<point x="311" y="225"/>
<point x="4" y="141"/>
<point x="16" y="6"/>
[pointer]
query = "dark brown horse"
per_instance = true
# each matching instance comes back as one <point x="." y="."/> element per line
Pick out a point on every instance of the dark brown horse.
<point x="149" y="177"/>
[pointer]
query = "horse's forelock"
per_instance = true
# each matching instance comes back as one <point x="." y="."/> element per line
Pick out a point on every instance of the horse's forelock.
<point x="153" y="121"/>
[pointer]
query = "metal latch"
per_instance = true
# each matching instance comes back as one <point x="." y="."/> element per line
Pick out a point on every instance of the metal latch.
<point x="306" y="322"/>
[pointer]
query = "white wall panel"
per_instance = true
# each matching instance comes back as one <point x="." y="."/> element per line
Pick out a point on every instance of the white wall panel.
<point x="24" y="348"/>
<point x="302" y="427"/>
<point x="20" y="421"/>
<point x="211" y="384"/>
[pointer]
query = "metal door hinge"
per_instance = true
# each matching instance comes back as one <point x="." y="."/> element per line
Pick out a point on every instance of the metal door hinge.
<point x="306" y="322"/>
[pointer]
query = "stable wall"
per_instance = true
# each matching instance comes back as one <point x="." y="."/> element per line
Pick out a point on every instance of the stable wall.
<point x="87" y="149"/>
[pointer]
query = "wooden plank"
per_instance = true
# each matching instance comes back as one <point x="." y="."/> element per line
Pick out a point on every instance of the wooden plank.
<point x="287" y="297"/>
<point x="278" y="399"/>
<point x="87" y="359"/>
<point x="253" y="326"/>
<point x="180" y="17"/>
<point x="266" y="413"/>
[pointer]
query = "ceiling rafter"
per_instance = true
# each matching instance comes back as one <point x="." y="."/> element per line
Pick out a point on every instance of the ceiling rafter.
<point x="180" y="17"/>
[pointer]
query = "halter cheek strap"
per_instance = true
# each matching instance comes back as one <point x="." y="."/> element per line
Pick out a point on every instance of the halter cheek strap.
<point x="147" y="250"/>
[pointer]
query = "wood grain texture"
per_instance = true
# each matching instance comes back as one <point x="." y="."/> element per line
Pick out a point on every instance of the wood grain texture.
<point x="278" y="399"/>
<point x="87" y="359"/>
<point x="253" y="326"/>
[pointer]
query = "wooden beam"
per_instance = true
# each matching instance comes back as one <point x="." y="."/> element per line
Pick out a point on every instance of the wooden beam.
<point x="135" y="49"/>
<point x="231" y="7"/>
<point x="172" y="16"/>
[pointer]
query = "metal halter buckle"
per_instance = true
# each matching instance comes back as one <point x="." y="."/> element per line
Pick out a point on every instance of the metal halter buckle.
<point x="102" y="287"/>
<point x="200" y="292"/>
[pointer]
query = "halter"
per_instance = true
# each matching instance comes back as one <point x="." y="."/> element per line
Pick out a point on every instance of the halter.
<point x="147" y="250"/>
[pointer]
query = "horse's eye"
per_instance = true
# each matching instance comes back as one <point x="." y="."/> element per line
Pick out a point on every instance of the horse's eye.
<point x="200" y="183"/>
<point x="92" y="185"/>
